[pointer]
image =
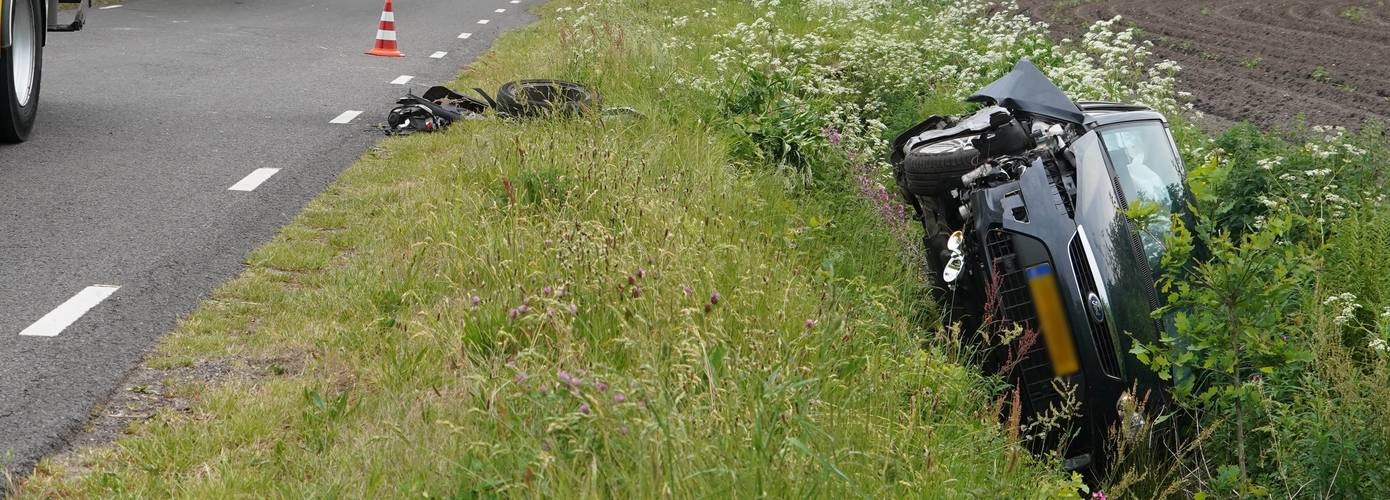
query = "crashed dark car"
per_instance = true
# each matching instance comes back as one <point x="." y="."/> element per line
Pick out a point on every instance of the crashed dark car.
<point x="1029" y="208"/>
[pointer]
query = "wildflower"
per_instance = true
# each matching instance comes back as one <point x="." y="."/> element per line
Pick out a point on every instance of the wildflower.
<point x="520" y="377"/>
<point x="685" y="289"/>
<point x="1378" y="345"/>
<point x="619" y="397"/>
<point x="543" y="389"/>
<point x="810" y="323"/>
<point x="584" y="408"/>
<point x="601" y="386"/>
<point x="832" y="135"/>
<point x="641" y="272"/>
<point x="637" y="291"/>
<point x="1098" y="495"/>
<point x="547" y="291"/>
<point x="714" y="298"/>
<point x="574" y="309"/>
<point x="518" y="311"/>
<point x="572" y="380"/>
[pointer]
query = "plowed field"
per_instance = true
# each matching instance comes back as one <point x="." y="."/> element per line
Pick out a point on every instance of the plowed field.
<point x="1264" y="61"/>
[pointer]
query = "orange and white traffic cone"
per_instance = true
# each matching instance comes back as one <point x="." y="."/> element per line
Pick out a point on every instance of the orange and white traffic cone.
<point x="386" y="34"/>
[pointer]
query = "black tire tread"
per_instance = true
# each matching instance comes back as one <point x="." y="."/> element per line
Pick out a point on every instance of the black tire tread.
<point x="932" y="174"/>
<point x="574" y="98"/>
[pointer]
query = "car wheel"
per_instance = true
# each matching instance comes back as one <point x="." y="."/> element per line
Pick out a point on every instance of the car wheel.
<point x="935" y="168"/>
<point x="21" y="66"/>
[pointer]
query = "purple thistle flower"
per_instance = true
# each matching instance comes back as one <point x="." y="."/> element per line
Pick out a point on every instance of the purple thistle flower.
<point x="518" y="311"/>
<point x="686" y="290"/>
<point x="832" y="135"/>
<point x="474" y="300"/>
<point x="521" y="377"/>
<point x="637" y="291"/>
<point x="584" y="408"/>
<point x="619" y="397"/>
<point x="547" y="291"/>
<point x="641" y="273"/>
<point x="1098" y="495"/>
<point x="543" y="389"/>
<point x="810" y="323"/>
<point x="600" y="386"/>
<point x="714" y="298"/>
<point x="574" y="309"/>
<point x="565" y="377"/>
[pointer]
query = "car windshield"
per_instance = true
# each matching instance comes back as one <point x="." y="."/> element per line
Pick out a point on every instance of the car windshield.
<point x="1151" y="176"/>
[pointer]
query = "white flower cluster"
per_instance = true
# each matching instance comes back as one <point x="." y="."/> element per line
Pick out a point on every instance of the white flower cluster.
<point x="1346" y="306"/>
<point x="1379" y="345"/>
<point x="923" y="50"/>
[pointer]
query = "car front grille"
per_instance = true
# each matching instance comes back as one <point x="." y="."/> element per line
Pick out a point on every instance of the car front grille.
<point x="1100" y="330"/>
<point x="1033" y="373"/>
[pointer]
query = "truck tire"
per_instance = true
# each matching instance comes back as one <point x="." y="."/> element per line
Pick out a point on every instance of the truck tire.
<point x="21" y="66"/>
<point x="935" y="168"/>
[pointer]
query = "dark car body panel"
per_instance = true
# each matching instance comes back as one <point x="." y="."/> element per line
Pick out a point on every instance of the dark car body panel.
<point x="1027" y="89"/>
<point x="1093" y="248"/>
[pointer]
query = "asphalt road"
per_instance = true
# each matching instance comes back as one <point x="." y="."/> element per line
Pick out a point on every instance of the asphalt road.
<point x="147" y="118"/>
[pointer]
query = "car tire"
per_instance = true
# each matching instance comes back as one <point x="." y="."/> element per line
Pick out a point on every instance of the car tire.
<point x="21" y="66"/>
<point x="546" y="97"/>
<point x="934" y="169"/>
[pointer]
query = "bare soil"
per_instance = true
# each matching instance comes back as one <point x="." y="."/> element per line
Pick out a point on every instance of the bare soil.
<point x="1268" y="62"/>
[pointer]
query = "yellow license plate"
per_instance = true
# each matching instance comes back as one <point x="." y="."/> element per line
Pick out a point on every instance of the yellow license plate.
<point x="1052" y="319"/>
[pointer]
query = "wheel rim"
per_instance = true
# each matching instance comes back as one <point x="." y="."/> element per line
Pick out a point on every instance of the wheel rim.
<point x="946" y="146"/>
<point x="24" y="51"/>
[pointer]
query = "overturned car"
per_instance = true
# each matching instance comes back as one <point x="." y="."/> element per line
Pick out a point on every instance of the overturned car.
<point x="1051" y="215"/>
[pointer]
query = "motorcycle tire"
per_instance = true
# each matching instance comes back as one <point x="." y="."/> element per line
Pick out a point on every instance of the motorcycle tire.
<point x="546" y="97"/>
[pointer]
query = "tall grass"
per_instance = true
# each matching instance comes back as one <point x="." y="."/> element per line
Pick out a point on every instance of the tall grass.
<point x="576" y="308"/>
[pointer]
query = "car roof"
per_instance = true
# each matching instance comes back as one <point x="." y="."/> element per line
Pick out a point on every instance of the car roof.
<point x="1101" y="113"/>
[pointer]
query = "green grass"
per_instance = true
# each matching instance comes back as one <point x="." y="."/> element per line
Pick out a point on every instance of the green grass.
<point x="417" y="328"/>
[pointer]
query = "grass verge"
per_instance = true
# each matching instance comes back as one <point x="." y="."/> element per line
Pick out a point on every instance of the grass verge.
<point x="569" y="308"/>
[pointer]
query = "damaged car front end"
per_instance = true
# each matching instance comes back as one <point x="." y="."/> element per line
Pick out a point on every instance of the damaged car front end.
<point x="1050" y="216"/>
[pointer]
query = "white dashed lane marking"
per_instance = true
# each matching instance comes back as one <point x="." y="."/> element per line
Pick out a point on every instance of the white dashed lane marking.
<point x="346" y="117"/>
<point x="438" y="55"/>
<point x="57" y="320"/>
<point x="499" y="11"/>
<point x="465" y="35"/>
<point x="253" y="180"/>
<point x="109" y="7"/>
<point x="402" y="80"/>
<point x="482" y="21"/>
<point x="514" y="2"/>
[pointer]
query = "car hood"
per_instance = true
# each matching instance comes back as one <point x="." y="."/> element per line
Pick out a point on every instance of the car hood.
<point x="1027" y="89"/>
